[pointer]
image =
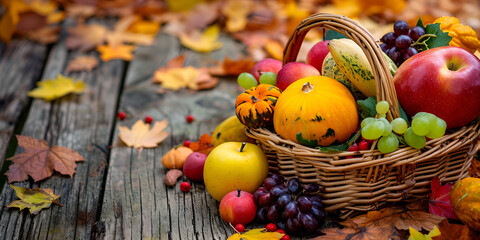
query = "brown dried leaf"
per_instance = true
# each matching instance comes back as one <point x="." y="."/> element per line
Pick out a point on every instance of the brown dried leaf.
<point x="362" y="233"/>
<point x="85" y="37"/>
<point x="232" y="67"/>
<point x="202" y="15"/>
<point x="399" y="217"/>
<point x="80" y="10"/>
<point x="82" y="63"/>
<point x="44" y="35"/>
<point x="39" y="161"/>
<point x="141" y="136"/>
<point x="455" y="231"/>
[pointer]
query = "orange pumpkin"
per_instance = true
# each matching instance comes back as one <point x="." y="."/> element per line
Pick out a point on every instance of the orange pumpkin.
<point x="175" y="158"/>
<point x="315" y="111"/>
<point x="465" y="199"/>
<point x="255" y="107"/>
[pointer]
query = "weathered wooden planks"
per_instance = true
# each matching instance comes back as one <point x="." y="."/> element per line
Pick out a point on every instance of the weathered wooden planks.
<point x="83" y="123"/>
<point x="137" y="203"/>
<point x="21" y="64"/>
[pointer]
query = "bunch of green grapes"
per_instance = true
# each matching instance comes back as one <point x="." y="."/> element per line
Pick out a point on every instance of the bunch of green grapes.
<point x="247" y="80"/>
<point x="423" y="125"/>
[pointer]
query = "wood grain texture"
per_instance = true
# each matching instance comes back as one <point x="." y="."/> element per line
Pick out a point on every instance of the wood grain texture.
<point x="21" y="64"/>
<point x="80" y="122"/>
<point x="137" y="203"/>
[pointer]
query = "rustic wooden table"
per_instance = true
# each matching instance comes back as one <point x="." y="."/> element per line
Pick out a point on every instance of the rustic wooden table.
<point x="118" y="193"/>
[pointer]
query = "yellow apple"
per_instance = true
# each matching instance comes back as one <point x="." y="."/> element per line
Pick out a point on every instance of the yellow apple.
<point x="234" y="165"/>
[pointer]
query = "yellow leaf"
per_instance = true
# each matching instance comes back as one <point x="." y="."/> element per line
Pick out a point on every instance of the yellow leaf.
<point x="10" y="19"/>
<point x="55" y="17"/>
<point x="257" y="234"/>
<point x="176" y="78"/>
<point x="34" y="199"/>
<point x="141" y="136"/>
<point x="293" y="11"/>
<point x="275" y="49"/>
<point x="144" y="27"/>
<point x="416" y="235"/>
<point x="205" y="42"/>
<point x="236" y="13"/>
<point x="56" y="88"/>
<point x="119" y="51"/>
<point x="182" y="5"/>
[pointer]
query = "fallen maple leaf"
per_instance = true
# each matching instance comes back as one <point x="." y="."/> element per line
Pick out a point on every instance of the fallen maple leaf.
<point x="275" y="49"/>
<point x="361" y="233"/>
<point x="174" y="76"/>
<point x="439" y="200"/>
<point x="400" y="218"/>
<point x="34" y="199"/>
<point x="39" y="161"/>
<point x="121" y="35"/>
<point x="45" y="35"/>
<point x="232" y="67"/>
<point x="203" y="145"/>
<point x="141" y="136"/>
<point x="257" y="234"/>
<point x="85" y="37"/>
<point x="202" y="42"/>
<point x="456" y="231"/>
<point x="81" y="63"/>
<point x="416" y="235"/>
<point x="121" y="51"/>
<point x="236" y="13"/>
<point x="56" y="88"/>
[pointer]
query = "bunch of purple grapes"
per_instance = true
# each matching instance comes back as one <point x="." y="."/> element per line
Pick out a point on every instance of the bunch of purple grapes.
<point x="290" y="206"/>
<point x="398" y="44"/>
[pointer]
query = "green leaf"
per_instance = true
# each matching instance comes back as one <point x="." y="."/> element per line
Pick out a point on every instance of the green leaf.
<point x="366" y="107"/>
<point x="420" y="23"/>
<point x="309" y="143"/>
<point x="403" y="114"/>
<point x="332" y="34"/>
<point x="341" y="147"/>
<point x="442" y="38"/>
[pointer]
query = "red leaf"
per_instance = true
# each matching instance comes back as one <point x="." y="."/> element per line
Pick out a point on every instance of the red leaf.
<point x="439" y="201"/>
<point x="204" y="144"/>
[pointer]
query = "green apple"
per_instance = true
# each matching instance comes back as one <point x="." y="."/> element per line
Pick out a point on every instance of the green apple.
<point x="234" y="165"/>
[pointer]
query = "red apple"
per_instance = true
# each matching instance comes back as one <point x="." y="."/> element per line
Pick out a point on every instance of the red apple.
<point x="293" y="71"/>
<point x="193" y="166"/>
<point x="238" y="207"/>
<point x="266" y="65"/>
<point x="444" y="81"/>
<point x="317" y="54"/>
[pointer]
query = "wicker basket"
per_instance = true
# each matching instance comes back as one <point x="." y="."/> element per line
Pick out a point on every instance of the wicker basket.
<point x="369" y="179"/>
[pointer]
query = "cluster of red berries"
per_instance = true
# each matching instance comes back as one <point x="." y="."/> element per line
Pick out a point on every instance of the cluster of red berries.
<point x="149" y="119"/>
<point x="362" y="145"/>
<point x="271" y="227"/>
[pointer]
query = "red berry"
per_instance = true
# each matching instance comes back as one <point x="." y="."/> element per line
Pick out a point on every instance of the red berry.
<point x="148" y="119"/>
<point x="121" y="115"/>
<point x="185" y="186"/>
<point x="271" y="227"/>
<point x="190" y="118"/>
<point x="280" y="231"/>
<point x="363" y="145"/>
<point x="285" y="237"/>
<point x="353" y="147"/>
<point x="370" y="141"/>
<point x="240" y="228"/>
<point x="186" y="143"/>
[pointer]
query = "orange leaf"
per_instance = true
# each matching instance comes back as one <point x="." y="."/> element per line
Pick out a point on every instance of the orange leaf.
<point x="204" y="144"/>
<point x="275" y="49"/>
<point x="121" y="51"/>
<point x="236" y="13"/>
<point x="39" y="161"/>
<point x="141" y="136"/>
<point x="81" y="63"/>
<point x="44" y="35"/>
<point x="232" y="67"/>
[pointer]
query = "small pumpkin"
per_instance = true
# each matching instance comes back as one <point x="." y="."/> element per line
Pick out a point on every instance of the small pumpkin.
<point x="175" y="158"/>
<point x="255" y="107"/>
<point x="465" y="199"/>
<point x="316" y="110"/>
<point x="462" y="35"/>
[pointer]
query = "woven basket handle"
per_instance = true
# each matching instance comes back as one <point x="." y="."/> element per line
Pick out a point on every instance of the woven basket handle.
<point x="363" y="38"/>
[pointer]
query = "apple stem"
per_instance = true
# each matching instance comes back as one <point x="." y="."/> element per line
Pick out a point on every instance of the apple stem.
<point x="239" y="192"/>
<point x="243" y="146"/>
<point x="307" y="87"/>
<point x="451" y="67"/>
